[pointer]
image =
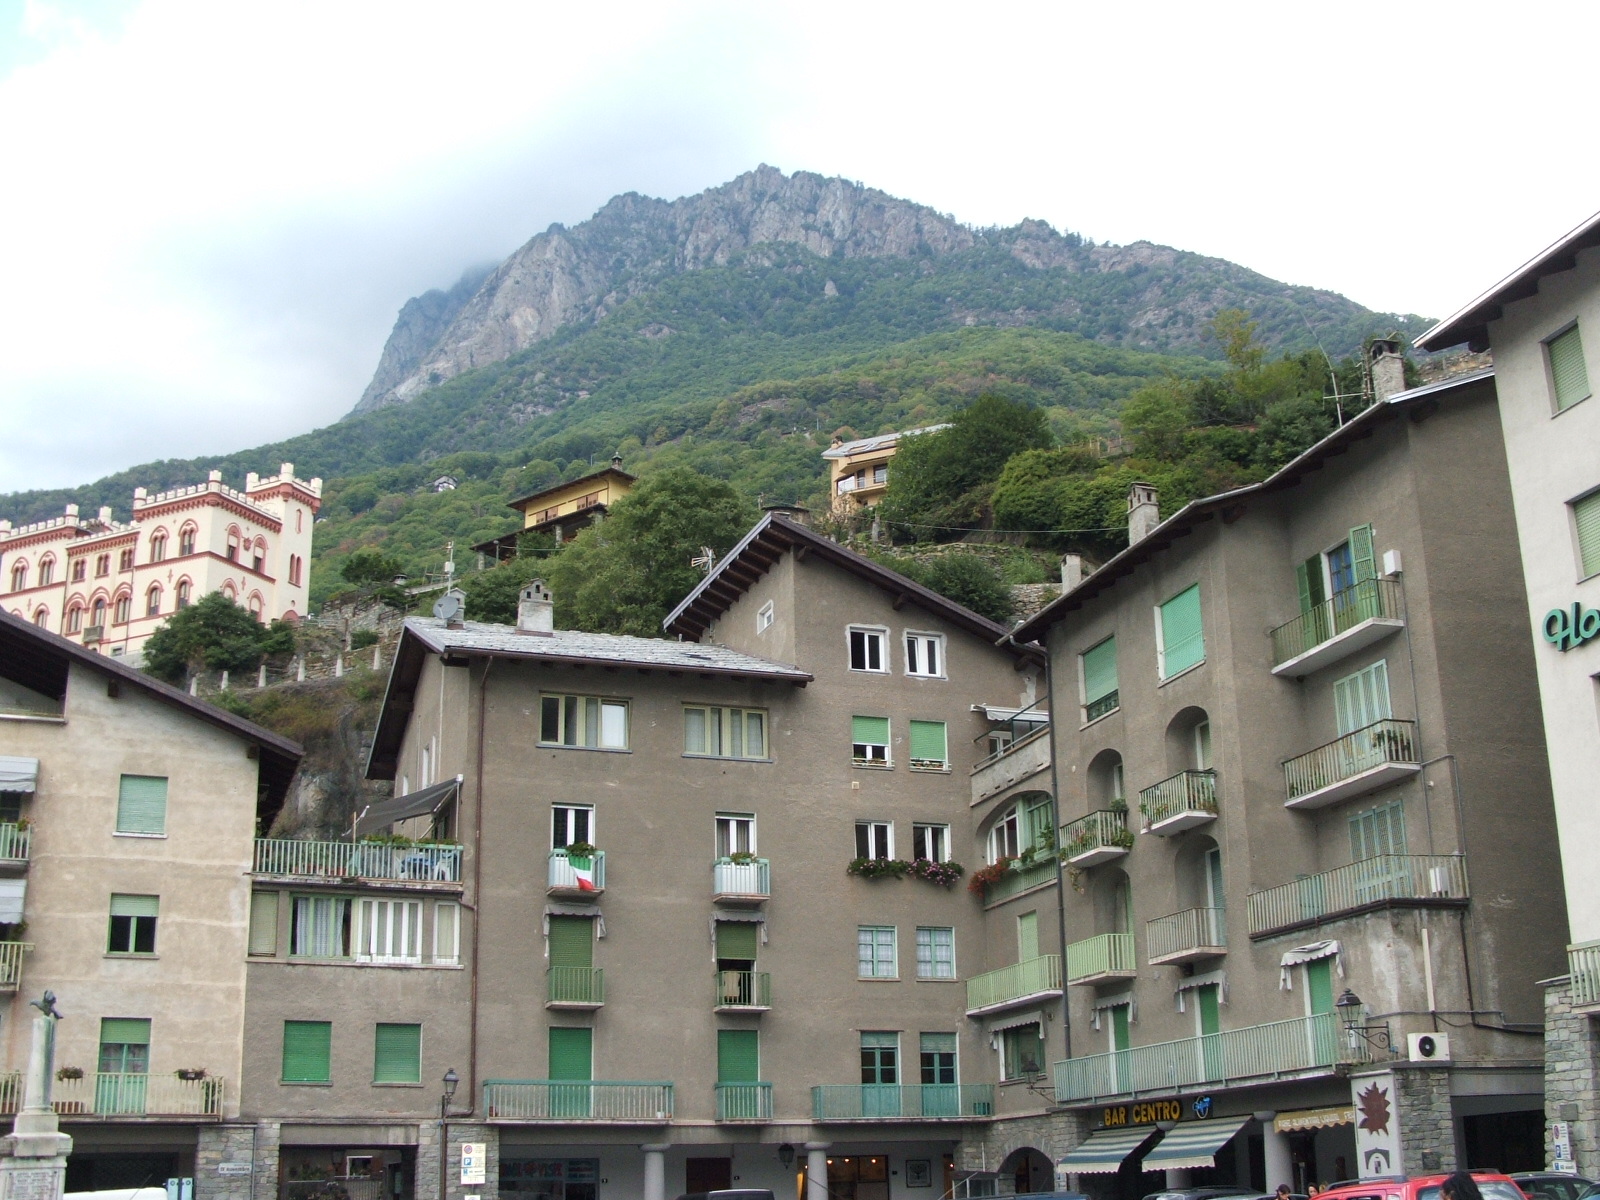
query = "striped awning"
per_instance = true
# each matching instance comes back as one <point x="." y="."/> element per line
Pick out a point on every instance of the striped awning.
<point x="1103" y="1153"/>
<point x="1193" y="1145"/>
<point x="18" y="774"/>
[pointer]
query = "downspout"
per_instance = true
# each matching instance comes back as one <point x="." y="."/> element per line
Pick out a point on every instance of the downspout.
<point x="477" y="887"/>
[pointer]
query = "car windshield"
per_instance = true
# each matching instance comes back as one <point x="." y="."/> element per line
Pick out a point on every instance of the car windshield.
<point x="1492" y="1189"/>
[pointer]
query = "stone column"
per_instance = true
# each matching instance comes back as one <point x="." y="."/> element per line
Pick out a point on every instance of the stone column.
<point x="655" y="1171"/>
<point x="1275" y="1147"/>
<point x="817" y="1170"/>
<point x="35" y="1166"/>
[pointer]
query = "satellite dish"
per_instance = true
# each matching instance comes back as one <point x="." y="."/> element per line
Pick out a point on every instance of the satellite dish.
<point x="448" y="607"/>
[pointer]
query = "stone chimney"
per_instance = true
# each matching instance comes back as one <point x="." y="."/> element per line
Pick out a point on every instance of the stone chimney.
<point x="798" y="513"/>
<point x="1387" y="367"/>
<point x="616" y="462"/>
<point x="536" y="610"/>
<point x="1144" y="512"/>
<point x="1072" y="572"/>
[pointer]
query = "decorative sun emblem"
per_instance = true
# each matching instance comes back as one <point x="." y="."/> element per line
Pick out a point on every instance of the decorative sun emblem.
<point x="1375" y="1109"/>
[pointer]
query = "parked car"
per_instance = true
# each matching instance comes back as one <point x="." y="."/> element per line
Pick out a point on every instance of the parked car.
<point x="1492" y="1184"/>
<point x="731" y="1194"/>
<point x="1552" y="1185"/>
<point x="1207" y="1193"/>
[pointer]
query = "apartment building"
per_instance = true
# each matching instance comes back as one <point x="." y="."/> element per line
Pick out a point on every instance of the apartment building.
<point x="108" y="585"/>
<point x="1306" y="822"/>
<point x="127" y="815"/>
<point x="563" y="510"/>
<point x="858" y="471"/>
<point x="1543" y="324"/>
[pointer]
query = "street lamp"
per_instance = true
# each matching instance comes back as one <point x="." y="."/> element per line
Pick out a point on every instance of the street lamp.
<point x="786" y="1155"/>
<point x="1352" y="1014"/>
<point x="451" y="1080"/>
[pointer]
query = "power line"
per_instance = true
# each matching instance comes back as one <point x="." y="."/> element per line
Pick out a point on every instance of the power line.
<point x="978" y="529"/>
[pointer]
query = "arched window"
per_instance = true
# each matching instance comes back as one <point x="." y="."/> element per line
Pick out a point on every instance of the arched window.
<point x="19" y="577"/>
<point x="256" y="607"/>
<point x="75" y="619"/>
<point x="258" y="560"/>
<point x="233" y="544"/>
<point x="227" y="590"/>
<point x="80" y="569"/>
<point x="299" y="527"/>
<point x="158" y="545"/>
<point x="186" y="537"/>
<point x="102" y="566"/>
<point x="47" y="571"/>
<point x="294" y="570"/>
<point x="41" y="617"/>
<point x="122" y="609"/>
<point x="152" y="601"/>
<point x="125" y="560"/>
<point x="1023" y="829"/>
<point x="99" y="620"/>
<point x="183" y="593"/>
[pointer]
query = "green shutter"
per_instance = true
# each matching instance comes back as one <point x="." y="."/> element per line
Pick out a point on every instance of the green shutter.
<point x="738" y="1056"/>
<point x="1205" y="999"/>
<point x="1362" y="698"/>
<point x="1587" y="512"/>
<point x="1027" y="936"/>
<point x="737" y="939"/>
<point x="307" y="1047"/>
<point x="142" y="804"/>
<point x="1182" y="639"/>
<point x="937" y="1043"/>
<point x="125" y="1031"/>
<point x="397" y="1054"/>
<point x="135" y="906"/>
<point x="1119" y="1027"/>
<point x="1363" y="565"/>
<point x="928" y="741"/>
<point x="1308" y="581"/>
<point x="870" y="730"/>
<point x="874" y="1040"/>
<point x="571" y="942"/>
<point x="1100" y="671"/>
<point x="263" y="922"/>
<point x="1567" y="369"/>
<point x="571" y="1053"/>
<point x="1319" y="983"/>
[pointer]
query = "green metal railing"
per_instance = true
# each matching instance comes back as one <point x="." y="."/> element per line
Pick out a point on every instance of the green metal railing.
<point x="1382" y="742"/>
<point x="1101" y="829"/>
<point x="577" y="1100"/>
<point x="15" y="842"/>
<point x="1020" y="878"/>
<point x="1368" y="881"/>
<point x="1027" y="978"/>
<point x="1361" y="602"/>
<point x="899" y="1101"/>
<point x="1104" y="954"/>
<point x="744" y="989"/>
<point x="128" y="1094"/>
<point x="11" y="964"/>
<point x="753" y="878"/>
<point x="358" y="860"/>
<point x="1187" y="791"/>
<point x="576" y="985"/>
<point x="561" y="872"/>
<point x="1584" y="963"/>
<point x="1099" y="707"/>
<point x="744" y="1102"/>
<point x="1233" y="1056"/>
<point x="1187" y="930"/>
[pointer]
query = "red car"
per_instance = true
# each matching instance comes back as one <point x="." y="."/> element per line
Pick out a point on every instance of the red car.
<point x="1492" y="1184"/>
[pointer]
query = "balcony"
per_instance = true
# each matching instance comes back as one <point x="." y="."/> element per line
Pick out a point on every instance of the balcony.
<point x="1025" y="756"/>
<point x="576" y="877"/>
<point x="902" y="1101"/>
<point x="1187" y="936"/>
<point x="1022" y="877"/>
<point x="1283" y="1049"/>
<point x="581" y="988"/>
<point x="1097" y="838"/>
<point x="16" y="842"/>
<point x="744" y="1102"/>
<point x="345" y="863"/>
<point x="1338" y="627"/>
<point x="1583" y="961"/>
<point x="1010" y="987"/>
<point x="1104" y="958"/>
<point x="743" y="991"/>
<point x="1402" y="880"/>
<point x="741" y="884"/>
<point x="1375" y="757"/>
<point x="1184" y="801"/>
<point x="127" y="1095"/>
<point x="93" y="635"/>
<point x="562" y="1101"/>
<point x="11" y="964"/>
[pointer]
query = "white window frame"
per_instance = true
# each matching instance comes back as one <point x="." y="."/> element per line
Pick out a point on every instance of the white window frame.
<point x="868" y="632"/>
<point x="920" y="832"/>
<point x="1012" y="820"/>
<point x="447" y="917"/>
<point x="728" y="719"/>
<point x="765" y="616"/>
<point x="607" y="705"/>
<point x="388" y="931"/>
<point x="916" y="645"/>
<point x="729" y="828"/>
<point x="339" y="909"/>
<point x="930" y="960"/>
<point x="893" y="964"/>
<point x="569" y="811"/>
<point x="868" y="758"/>
<point x="879" y="837"/>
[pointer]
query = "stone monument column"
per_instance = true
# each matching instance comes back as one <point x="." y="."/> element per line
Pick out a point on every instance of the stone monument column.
<point x="33" y="1157"/>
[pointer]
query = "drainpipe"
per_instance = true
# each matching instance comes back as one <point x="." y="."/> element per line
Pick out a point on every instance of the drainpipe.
<point x="1061" y="883"/>
<point x="477" y="888"/>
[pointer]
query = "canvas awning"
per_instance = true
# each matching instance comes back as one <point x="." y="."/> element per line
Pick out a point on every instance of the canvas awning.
<point x="1313" y="1118"/>
<point x="1193" y="1145"/>
<point x="12" y="894"/>
<point x="18" y="774"/>
<point x="1301" y="955"/>
<point x="424" y="802"/>
<point x="1103" y="1153"/>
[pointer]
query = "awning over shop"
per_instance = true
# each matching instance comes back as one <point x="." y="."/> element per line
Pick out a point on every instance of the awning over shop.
<point x="1103" y="1153"/>
<point x="1193" y="1145"/>
<point x="425" y="802"/>
<point x="18" y="774"/>
<point x="1313" y="1118"/>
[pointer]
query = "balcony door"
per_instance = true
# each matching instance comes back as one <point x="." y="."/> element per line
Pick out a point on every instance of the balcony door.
<point x="1208" y="1024"/>
<point x="880" y="1074"/>
<point x="1121" y="1056"/>
<point x="1027" y="937"/>
<point x="941" y="1097"/>
<point x="736" y="962"/>
<point x="1360" y="701"/>
<point x="571" y="1072"/>
<point x="120" y="1086"/>
<point x="571" y="959"/>
<point x="1377" y="838"/>
<point x="1322" y="1033"/>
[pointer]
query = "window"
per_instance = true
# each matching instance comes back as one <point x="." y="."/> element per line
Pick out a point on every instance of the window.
<point x="1361" y="699"/>
<point x="1586" y="515"/>
<point x="880" y="1057"/>
<point x="390" y="931"/>
<point x="41" y="617"/>
<point x="925" y="655"/>
<point x="738" y="1057"/>
<point x="1027" y="936"/>
<point x="122" y="610"/>
<point x="1202" y="746"/>
<point x="1378" y="831"/>
<point x="264" y="923"/>
<point x="102" y="566"/>
<point x="320" y="927"/>
<point x="875" y="839"/>
<point x="1568" y="374"/>
<point x="184" y="592"/>
<point x="99" y="620"/>
<point x="1025" y="825"/>
<point x="929" y="749"/>
<point x="1099" y="666"/>
<point x="590" y="722"/>
<point x="258" y="559"/>
<point x="80" y="570"/>
<point x="307" y="1049"/>
<point x="186" y="540"/>
<point x="19" y="577"/>
<point x="75" y="619"/>
<point x="47" y="572"/>
<point x="233" y="545"/>
<point x="1180" y="642"/>
<point x="1005" y="838"/>
<point x="938" y="1052"/>
<point x="869" y="738"/>
<point x="125" y="560"/>
<point x="725" y="732"/>
<point x="571" y="823"/>
<point x="866" y="650"/>
<point x="142" y="805"/>
<point x="397" y="1054"/>
<point x="133" y="924"/>
<point x="124" y="1050"/>
<point x="875" y="952"/>
<point x="446" y="933"/>
<point x="294" y="570"/>
<point x="571" y="1056"/>
<point x="930" y="842"/>
<point x="158" y="547"/>
<point x="1022" y="1052"/>
<point x="764" y="617"/>
<point x="152" y="601"/>
<point x="736" y="834"/>
<point x="936" y="952"/>
<point x="880" y="473"/>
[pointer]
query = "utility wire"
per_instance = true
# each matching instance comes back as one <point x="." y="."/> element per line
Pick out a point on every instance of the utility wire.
<point x="977" y="529"/>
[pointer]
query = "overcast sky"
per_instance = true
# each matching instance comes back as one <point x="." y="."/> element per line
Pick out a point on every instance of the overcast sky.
<point x="210" y="213"/>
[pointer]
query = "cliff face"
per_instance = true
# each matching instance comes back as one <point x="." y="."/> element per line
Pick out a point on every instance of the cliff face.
<point x="421" y="323"/>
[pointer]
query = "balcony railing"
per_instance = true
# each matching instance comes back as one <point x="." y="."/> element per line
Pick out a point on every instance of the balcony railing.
<point x="901" y="1101"/>
<point x="576" y="876"/>
<point x="741" y="882"/>
<point x="1187" y="799"/>
<point x="93" y="634"/>
<point x="1583" y="961"/>
<point x="1020" y="878"/>
<point x="1105" y="956"/>
<point x="1099" y="837"/>
<point x="1101" y="705"/>
<point x="358" y="860"/>
<point x="1022" y="982"/>
<point x="10" y="1092"/>
<point x="1351" y="619"/>
<point x="744" y="1102"/>
<point x="129" y="1095"/>
<point x="1025" y="754"/>
<point x="744" y="989"/>
<point x="1185" y="936"/>
<point x="15" y="843"/>
<point x="575" y="987"/>
<point x="577" y="1100"/>
<point x="1300" y="1046"/>
<point x="1358" y="763"/>
<point x="1384" y="877"/>
<point x="11" y="964"/>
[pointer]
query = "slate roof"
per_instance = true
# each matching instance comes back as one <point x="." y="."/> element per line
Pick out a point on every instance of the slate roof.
<point x="882" y="442"/>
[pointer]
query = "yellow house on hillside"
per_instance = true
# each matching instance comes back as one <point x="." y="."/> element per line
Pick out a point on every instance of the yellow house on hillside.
<point x="564" y="509"/>
<point x="859" y="470"/>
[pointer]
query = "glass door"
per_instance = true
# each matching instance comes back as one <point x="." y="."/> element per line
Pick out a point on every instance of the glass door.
<point x="880" y="1074"/>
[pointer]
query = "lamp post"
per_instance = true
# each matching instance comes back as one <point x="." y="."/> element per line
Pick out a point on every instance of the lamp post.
<point x="451" y="1081"/>
<point x="1352" y="1014"/>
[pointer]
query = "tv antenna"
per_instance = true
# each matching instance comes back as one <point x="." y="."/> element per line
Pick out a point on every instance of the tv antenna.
<point x="705" y="560"/>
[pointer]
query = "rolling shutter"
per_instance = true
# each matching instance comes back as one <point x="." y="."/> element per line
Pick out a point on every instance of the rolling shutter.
<point x="737" y="939"/>
<point x="263" y="922"/>
<point x="1100" y="671"/>
<point x="1567" y="369"/>
<point x="1182" y="639"/>
<point x="870" y="731"/>
<point x="1027" y="936"/>
<point x="738" y="1056"/>
<point x="1587" y="512"/>
<point x="306" y="1050"/>
<point x="571" y="1053"/>
<point x="125" y="1031"/>
<point x="142" y="804"/>
<point x="135" y="906"/>
<point x="928" y="741"/>
<point x="397" y="1054"/>
<point x="571" y="942"/>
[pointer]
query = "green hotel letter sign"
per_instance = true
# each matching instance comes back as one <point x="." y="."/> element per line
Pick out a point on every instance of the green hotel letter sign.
<point x="1569" y="628"/>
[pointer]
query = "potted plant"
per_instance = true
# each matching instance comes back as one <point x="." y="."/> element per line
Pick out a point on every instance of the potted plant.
<point x="65" y="1073"/>
<point x="742" y="857"/>
<point x="877" y="868"/>
<point x="190" y="1074"/>
<point x="985" y="877"/>
<point x="944" y="874"/>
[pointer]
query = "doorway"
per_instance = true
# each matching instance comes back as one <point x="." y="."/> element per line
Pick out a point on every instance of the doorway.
<point x="707" y="1174"/>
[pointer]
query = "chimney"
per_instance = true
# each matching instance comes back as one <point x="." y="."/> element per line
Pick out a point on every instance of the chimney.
<point x="1387" y="367"/>
<point x="1071" y="572"/>
<point x="616" y="462"/>
<point x="536" y="610"/>
<point x="798" y="513"/>
<point x="1144" y="512"/>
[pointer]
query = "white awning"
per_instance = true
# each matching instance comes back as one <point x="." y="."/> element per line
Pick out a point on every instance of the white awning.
<point x="1103" y="1153"/>
<point x="1204" y="979"/>
<point x="1001" y="712"/>
<point x="1301" y="955"/>
<point x="12" y="892"/>
<point x="18" y="774"/>
<point x="1193" y="1145"/>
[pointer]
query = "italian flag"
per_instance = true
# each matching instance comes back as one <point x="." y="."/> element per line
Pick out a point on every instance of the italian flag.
<point x="583" y="871"/>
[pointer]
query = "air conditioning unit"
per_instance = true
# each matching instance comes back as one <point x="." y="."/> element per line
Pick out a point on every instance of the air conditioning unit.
<point x="1428" y="1047"/>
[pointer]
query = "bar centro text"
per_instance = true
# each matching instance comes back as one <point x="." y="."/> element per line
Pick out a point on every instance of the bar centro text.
<point x="1147" y="1112"/>
<point x="1567" y="629"/>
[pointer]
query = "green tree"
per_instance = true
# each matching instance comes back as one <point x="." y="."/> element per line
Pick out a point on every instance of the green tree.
<point x="370" y="567"/>
<point x="970" y="581"/>
<point x="214" y="634"/>
<point x="492" y="595"/>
